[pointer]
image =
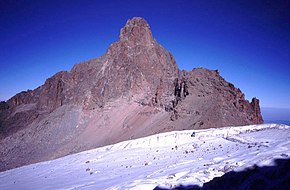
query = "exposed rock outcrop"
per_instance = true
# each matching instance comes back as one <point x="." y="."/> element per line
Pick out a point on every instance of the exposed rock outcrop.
<point x="134" y="90"/>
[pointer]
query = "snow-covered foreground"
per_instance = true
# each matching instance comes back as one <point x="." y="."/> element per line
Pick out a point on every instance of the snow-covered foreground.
<point x="166" y="160"/>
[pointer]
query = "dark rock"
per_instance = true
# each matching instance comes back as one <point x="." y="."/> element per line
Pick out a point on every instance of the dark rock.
<point x="3" y="106"/>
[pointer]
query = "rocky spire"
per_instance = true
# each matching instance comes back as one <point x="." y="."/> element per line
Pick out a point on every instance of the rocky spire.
<point x="137" y="64"/>
<point x="136" y="31"/>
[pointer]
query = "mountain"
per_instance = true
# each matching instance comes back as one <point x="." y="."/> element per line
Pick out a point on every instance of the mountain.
<point x="168" y="160"/>
<point x="134" y="90"/>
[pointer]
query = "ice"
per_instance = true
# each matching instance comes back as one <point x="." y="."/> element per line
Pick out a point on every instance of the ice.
<point x="167" y="159"/>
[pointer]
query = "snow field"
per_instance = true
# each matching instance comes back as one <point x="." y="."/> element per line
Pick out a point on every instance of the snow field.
<point x="166" y="159"/>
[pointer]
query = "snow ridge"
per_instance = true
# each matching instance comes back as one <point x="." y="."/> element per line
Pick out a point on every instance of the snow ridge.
<point x="181" y="137"/>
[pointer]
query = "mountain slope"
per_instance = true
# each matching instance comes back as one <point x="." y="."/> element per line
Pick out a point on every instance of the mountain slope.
<point x="164" y="160"/>
<point x="134" y="90"/>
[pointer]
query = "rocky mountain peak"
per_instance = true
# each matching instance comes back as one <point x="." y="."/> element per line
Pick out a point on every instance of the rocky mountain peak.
<point x="137" y="64"/>
<point x="136" y="31"/>
<point x="134" y="90"/>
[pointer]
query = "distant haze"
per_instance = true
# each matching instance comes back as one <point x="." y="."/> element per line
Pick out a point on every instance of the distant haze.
<point x="277" y="115"/>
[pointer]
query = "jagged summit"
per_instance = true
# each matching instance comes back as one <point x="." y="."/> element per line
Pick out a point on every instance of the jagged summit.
<point x="140" y="67"/>
<point x="137" y="31"/>
<point x="134" y="90"/>
<point x="137" y="21"/>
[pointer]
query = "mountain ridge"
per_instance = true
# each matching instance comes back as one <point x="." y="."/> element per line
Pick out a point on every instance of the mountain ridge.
<point x="135" y="89"/>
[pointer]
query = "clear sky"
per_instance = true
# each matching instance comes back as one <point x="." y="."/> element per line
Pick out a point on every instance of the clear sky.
<point x="248" y="41"/>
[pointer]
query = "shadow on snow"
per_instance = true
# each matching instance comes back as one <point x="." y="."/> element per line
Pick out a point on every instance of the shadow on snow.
<point x="266" y="177"/>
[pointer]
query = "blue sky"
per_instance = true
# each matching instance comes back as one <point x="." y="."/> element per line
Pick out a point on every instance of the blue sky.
<point x="248" y="41"/>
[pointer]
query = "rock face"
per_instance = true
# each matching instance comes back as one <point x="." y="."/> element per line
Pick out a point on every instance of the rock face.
<point x="134" y="90"/>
